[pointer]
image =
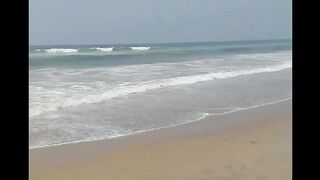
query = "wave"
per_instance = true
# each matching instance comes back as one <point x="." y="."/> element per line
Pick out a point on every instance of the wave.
<point x="61" y="50"/>
<point x="103" y="49"/>
<point x="139" y="87"/>
<point x="201" y="117"/>
<point x="139" y="48"/>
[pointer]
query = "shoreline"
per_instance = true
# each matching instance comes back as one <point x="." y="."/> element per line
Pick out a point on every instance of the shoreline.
<point x="247" y="144"/>
<point x="206" y="115"/>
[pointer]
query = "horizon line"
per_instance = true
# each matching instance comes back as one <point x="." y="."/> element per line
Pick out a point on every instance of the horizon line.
<point x="279" y="39"/>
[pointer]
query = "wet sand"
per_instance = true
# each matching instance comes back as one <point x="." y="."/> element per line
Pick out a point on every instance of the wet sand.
<point x="252" y="144"/>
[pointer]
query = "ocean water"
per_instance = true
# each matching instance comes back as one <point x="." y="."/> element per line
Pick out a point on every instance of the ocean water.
<point x="89" y="92"/>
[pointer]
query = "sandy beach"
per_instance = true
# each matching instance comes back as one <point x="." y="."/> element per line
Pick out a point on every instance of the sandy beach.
<point x="253" y="144"/>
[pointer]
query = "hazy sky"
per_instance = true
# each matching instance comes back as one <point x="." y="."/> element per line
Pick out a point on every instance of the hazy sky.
<point x="138" y="21"/>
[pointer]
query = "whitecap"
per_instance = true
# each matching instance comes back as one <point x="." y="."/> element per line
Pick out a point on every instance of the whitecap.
<point x="140" y="48"/>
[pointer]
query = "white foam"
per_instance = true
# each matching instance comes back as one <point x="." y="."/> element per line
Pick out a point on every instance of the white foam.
<point x="61" y="50"/>
<point x="139" y="87"/>
<point x="140" y="48"/>
<point x="201" y="117"/>
<point x="104" y="49"/>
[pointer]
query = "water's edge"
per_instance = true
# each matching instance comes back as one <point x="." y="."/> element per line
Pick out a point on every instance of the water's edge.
<point x="205" y="115"/>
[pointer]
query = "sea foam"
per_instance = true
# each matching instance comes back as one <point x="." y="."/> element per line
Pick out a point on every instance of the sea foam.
<point x="140" y="48"/>
<point x="108" y="49"/>
<point x="61" y="50"/>
<point x="139" y="87"/>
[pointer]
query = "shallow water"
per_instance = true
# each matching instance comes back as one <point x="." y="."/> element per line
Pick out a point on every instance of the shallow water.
<point x="83" y="93"/>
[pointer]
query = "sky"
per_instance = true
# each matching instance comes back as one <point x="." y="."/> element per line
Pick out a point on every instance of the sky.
<point x="157" y="21"/>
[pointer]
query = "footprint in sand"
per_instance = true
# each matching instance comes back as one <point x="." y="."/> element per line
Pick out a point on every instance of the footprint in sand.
<point x="253" y="142"/>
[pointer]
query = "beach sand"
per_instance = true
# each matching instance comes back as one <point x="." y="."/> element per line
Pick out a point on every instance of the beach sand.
<point x="252" y="144"/>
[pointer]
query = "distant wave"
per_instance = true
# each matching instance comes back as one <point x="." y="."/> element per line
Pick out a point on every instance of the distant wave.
<point x="103" y="49"/>
<point x="139" y="87"/>
<point x="140" y="48"/>
<point x="61" y="50"/>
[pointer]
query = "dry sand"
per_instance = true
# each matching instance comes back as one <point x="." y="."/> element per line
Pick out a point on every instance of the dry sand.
<point x="251" y="144"/>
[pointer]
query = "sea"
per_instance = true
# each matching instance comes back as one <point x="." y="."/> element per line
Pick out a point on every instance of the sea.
<point x="80" y="93"/>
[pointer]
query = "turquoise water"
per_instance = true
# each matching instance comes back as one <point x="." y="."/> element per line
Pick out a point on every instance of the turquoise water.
<point x="87" y="56"/>
<point x="89" y="92"/>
